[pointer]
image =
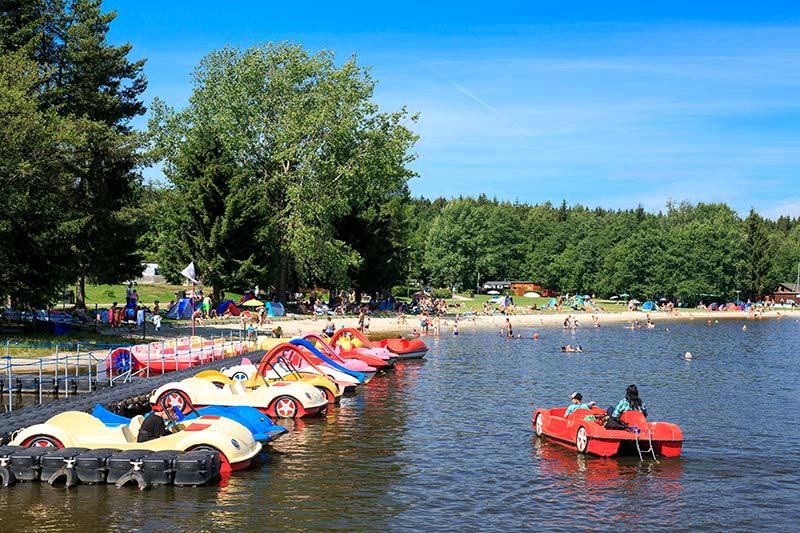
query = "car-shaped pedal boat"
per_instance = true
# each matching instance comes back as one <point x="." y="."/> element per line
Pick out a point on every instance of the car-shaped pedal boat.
<point x="339" y="354"/>
<point x="76" y="429"/>
<point x="589" y="436"/>
<point x="323" y="354"/>
<point x="299" y="360"/>
<point x="403" y="348"/>
<point x="259" y="424"/>
<point x="283" y="399"/>
<point x="272" y="372"/>
<point x="305" y="357"/>
<point x="351" y="340"/>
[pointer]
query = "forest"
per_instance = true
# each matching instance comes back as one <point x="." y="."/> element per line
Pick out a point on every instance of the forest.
<point x="283" y="172"/>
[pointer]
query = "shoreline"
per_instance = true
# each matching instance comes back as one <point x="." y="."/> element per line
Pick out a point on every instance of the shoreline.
<point x="381" y="327"/>
<point x="292" y="326"/>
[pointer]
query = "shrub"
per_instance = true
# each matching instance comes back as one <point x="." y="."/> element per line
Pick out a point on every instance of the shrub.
<point x="442" y="293"/>
<point x="403" y="291"/>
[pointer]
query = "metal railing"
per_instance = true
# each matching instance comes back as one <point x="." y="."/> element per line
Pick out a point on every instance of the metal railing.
<point x="107" y="366"/>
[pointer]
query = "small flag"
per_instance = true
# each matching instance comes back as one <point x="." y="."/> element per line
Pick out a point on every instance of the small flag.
<point x="189" y="273"/>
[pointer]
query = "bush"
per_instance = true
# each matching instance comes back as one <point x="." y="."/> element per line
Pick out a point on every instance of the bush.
<point x="442" y="293"/>
<point x="403" y="290"/>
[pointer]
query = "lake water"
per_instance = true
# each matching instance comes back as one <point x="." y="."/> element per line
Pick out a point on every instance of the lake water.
<point x="446" y="444"/>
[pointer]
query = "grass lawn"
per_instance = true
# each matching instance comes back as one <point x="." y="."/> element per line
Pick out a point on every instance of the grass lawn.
<point x="476" y="303"/>
<point x="107" y="294"/>
<point x="27" y="343"/>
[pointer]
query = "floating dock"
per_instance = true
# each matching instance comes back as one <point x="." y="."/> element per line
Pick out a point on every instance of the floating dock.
<point x="128" y="399"/>
<point x="69" y="467"/>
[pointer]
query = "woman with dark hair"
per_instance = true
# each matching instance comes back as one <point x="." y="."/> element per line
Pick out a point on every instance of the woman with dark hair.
<point x="631" y="402"/>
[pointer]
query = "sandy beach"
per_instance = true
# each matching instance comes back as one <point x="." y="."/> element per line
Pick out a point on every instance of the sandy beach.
<point x="294" y="325"/>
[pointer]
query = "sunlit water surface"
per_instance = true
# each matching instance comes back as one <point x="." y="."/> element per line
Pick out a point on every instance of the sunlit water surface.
<point x="446" y="443"/>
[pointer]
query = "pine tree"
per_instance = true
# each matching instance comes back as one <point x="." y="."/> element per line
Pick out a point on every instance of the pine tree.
<point x="757" y="255"/>
<point x="99" y="88"/>
<point x="34" y="236"/>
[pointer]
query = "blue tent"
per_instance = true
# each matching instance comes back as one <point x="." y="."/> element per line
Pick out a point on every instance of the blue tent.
<point x="275" y="309"/>
<point x="649" y="306"/>
<point x="182" y="310"/>
<point x="226" y="306"/>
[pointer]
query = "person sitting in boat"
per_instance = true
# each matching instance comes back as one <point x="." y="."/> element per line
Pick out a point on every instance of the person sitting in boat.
<point x="153" y="426"/>
<point x="631" y="402"/>
<point x="577" y="403"/>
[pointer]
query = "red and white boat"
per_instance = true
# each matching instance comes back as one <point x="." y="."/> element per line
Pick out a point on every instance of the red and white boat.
<point x="400" y="347"/>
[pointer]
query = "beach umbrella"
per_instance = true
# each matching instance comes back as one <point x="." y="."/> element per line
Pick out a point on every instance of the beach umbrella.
<point x="624" y="295"/>
<point x="635" y="302"/>
<point x="614" y="298"/>
<point x="492" y="292"/>
<point x="532" y="295"/>
<point x="253" y="303"/>
<point x="663" y="300"/>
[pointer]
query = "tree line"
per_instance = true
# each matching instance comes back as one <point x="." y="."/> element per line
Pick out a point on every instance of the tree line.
<point x="283" y="172"/>
<point x="686" y="251"/>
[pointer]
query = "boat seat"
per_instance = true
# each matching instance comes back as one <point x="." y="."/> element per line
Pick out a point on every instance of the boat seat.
<point x="128" y="434"/>
<point x="131" y="431"/>
<point x="237" y="387"/>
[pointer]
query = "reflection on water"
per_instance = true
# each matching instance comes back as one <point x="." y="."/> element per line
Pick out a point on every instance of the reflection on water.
<point x="446" y="443"/>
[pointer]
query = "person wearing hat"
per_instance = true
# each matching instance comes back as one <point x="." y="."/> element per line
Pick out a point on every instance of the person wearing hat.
<point x="577" y="399"/>
<point x="153" y="426"/>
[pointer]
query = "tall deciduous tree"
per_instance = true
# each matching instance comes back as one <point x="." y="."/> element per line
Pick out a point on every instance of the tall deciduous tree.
<point x="307" y="144"/>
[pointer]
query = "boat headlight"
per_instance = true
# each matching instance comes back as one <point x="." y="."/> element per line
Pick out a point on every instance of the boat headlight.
<point x="235" y="444"/>
<point x="308" y="396"/>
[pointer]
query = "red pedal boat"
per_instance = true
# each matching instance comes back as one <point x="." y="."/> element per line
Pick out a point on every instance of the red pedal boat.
<point x="403" y="348"/>
<point x="659" y="439"/>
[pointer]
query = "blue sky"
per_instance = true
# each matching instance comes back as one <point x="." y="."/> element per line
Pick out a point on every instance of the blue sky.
<point x="604" y="106"/>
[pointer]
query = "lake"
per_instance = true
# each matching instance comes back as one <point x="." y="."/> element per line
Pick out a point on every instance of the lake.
<point x="446" y="444"/>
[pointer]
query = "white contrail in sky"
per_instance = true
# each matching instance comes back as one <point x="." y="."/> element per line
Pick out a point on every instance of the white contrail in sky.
<point x="477" y="99"/>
